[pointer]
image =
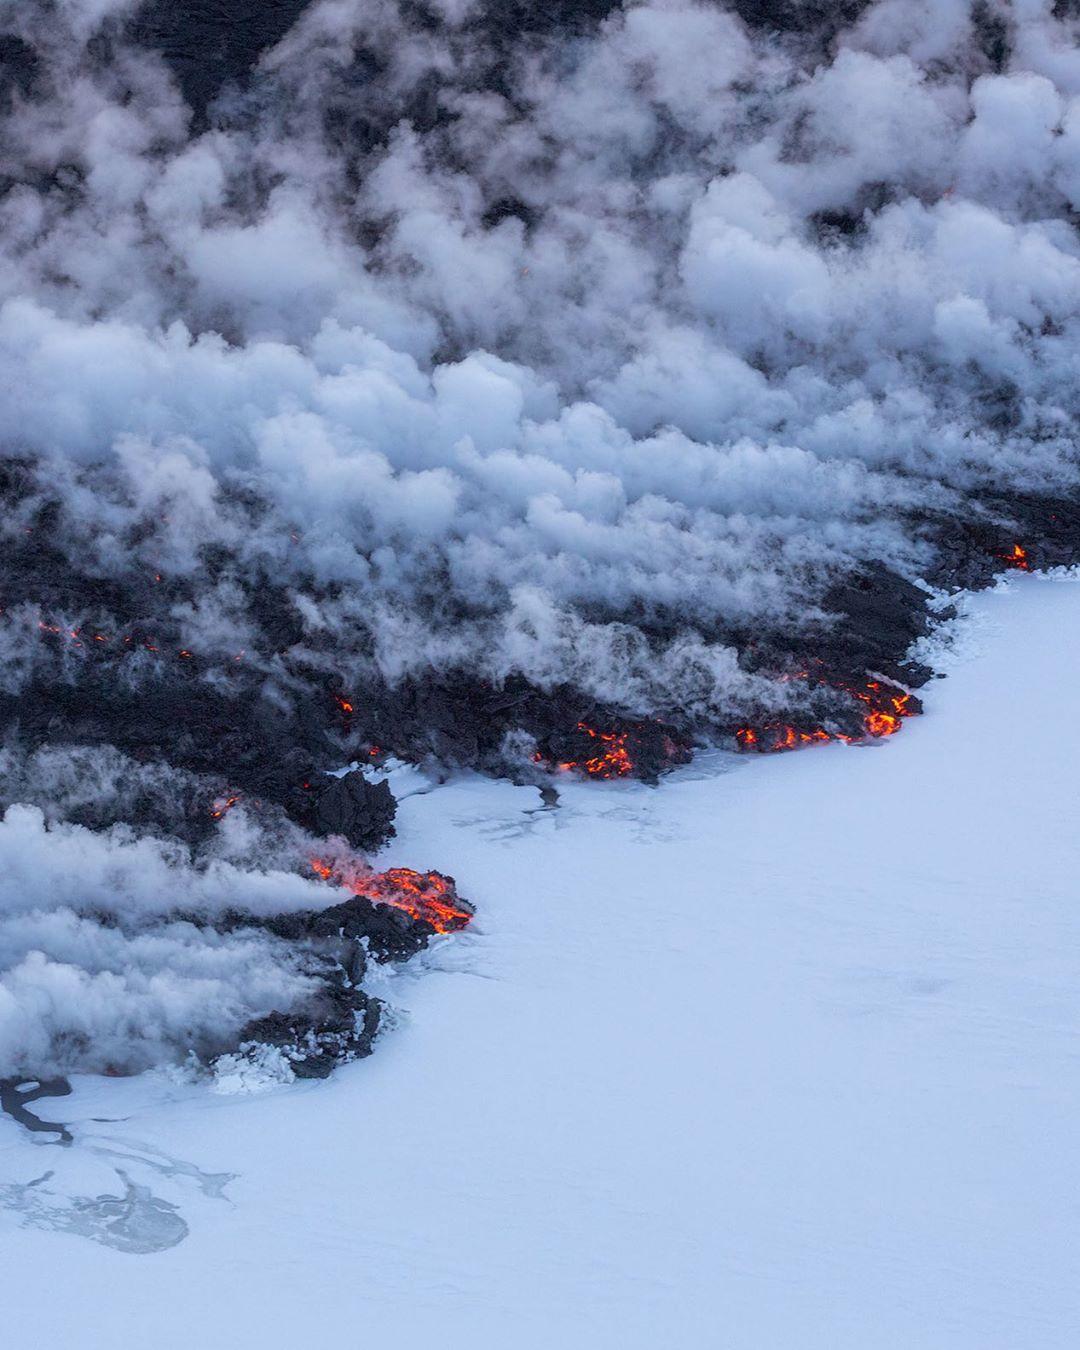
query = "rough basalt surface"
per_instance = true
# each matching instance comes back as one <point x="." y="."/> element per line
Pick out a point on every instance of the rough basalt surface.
<point x="357" y="810"/>
<point x="203" y="675"/>
<point x="340" y="1022"/>
<point x="212" y="44"/>
<point x="340" y="1025"/>
<point x="108" y="668"/>
<point x="350" y="929"/>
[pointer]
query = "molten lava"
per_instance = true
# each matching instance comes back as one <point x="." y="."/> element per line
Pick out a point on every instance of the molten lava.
<point x="780" y="736"/>
<point x="428" y="896"/>
<point x="222" y="805"/>
<point x="74" y="635"/>
<point x="887" y="707"/>
<point x="1016" y="557"/>
<point x="612" y="758"/>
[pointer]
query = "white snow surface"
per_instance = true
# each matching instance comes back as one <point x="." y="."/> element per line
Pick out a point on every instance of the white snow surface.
<point x="779" y="1056"/>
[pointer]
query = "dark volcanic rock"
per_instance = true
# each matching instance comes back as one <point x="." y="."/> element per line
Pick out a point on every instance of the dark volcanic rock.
<point x="878" y="615"/>
<point x="16" y="1094"/>
<point x="799" y="16"/>
<point x="340" y="1025"/>
<point x="391" y="934"/>
<point x="219" y="721"/>
<point x="209" y="43"/>
<point x="359" y="811"/>
<point x="341" y="1021"/>
<point x="971" y="552"/>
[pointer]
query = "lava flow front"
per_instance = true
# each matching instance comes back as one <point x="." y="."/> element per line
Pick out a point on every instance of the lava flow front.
<point x="640" y="749"/>
<point x="887" y="706"/>
<point x="223" y="805"/>
<point x="428" y="896"/>
<point x="1017" y="557"/>
<point x="612" y="758"/>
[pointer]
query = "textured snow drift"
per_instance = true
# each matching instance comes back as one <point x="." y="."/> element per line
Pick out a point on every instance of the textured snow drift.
<point x="780" y="1054"/>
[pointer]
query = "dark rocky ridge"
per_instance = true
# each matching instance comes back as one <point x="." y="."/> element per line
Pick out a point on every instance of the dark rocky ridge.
<point x="341" y="1026"/>
<point x="218" y="719"/>
<point x="341" y="1021"/>
<point x="210" y="44"/>
<point x="230" y="733"/>
<point x="106" y="662"/>
<point x="357" y="810"/>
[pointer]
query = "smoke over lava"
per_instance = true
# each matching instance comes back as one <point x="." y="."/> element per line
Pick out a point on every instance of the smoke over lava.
<point x="530" y="388"/>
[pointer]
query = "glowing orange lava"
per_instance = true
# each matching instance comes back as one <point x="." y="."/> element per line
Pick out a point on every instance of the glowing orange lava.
<point x="612" y="759"/>
<point x="222" y="805"/>
<point x="428" y="896"/>
<point x="1016" y="557"/>
<point x="887" y="705"/>
<point x="639" y="748"/>
<point x="344" y="704"/>
<point x="778" y="736"/>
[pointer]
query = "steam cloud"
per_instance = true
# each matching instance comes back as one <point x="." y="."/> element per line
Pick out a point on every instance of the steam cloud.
<point x="98" y="973"/>
<point x="567" y="354"/>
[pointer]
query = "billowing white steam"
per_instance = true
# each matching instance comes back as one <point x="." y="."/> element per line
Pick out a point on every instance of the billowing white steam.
<point x="683" y="323"/>
<point x="95" y="975"/>
<point x="665" y="382"/>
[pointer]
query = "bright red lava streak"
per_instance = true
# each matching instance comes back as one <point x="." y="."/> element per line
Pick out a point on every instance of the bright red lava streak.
<point x="612" y="758"/>
<point x="428" y="896"/>
<point x="1017" y="557"/>
<point x="888" y="706"/>
<point x="223" y="805"/>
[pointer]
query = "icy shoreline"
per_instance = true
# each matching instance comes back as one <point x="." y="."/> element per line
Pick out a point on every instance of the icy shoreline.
<point x="780" y="1054"/>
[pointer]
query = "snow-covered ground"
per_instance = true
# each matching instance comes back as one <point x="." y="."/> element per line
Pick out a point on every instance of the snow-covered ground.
<point x="780" y="1056"/>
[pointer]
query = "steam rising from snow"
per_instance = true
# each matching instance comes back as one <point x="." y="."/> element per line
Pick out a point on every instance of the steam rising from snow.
<point x="96" y="975"/>
<point x="560" y="356"/>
